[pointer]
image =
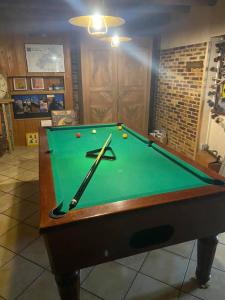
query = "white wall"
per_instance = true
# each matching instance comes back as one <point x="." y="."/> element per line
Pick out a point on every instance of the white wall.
<point x="202" y="23"/>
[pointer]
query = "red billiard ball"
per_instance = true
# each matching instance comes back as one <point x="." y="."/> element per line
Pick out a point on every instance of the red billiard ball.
<point x="78" y="135"/>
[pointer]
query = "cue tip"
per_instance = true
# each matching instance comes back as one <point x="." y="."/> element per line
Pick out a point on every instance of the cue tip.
<point x="73" y="203"/>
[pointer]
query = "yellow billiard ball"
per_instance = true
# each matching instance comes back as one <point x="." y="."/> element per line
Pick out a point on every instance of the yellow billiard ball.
<point x="125" y="136"/>
<point x="93" y="131"/>
<point x="120" y="127"/>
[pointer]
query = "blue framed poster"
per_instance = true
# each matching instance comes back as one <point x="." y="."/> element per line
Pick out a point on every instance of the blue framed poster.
<point x="36" y="106"/>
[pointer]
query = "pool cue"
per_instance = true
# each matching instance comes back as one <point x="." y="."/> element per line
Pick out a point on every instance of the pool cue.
<point x="87" y="178"/>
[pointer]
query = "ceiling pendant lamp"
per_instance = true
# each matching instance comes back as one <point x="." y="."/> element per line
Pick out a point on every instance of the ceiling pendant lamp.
<point x="97" y="24"/>
<point x="116" y="40"/>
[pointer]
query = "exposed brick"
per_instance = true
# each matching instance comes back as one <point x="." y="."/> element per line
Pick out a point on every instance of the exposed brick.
<point x="178" y="96"/>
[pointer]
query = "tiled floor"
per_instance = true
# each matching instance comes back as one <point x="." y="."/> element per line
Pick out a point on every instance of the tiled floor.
<point x="24" y="267"/>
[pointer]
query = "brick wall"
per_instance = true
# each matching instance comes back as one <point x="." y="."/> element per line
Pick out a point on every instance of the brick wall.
<point x="178" y="96"/>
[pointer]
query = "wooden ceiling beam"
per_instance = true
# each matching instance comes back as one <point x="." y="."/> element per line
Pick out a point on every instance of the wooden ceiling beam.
<point x="165" y="2"/>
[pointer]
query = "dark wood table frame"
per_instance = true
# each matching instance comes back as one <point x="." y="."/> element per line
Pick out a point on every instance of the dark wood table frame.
<point x="98" y="234"/>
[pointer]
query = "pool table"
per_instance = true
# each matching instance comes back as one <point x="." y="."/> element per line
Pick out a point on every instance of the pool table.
<point x="147" y="197"/>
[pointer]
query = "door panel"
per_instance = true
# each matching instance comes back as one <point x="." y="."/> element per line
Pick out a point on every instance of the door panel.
<point x="131" y="111"/>
<point x="134" y="88"/>
<point x="99" y="84"/>
<point x="116" y="84"/>
<point x="102" y="106"/>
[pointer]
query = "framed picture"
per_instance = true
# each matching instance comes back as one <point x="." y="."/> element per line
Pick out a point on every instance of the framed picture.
<point x="36" y="105"/>
<point x="37" y="83"/>
<point x="63" y="118"/>
<point x="44" y="58"/>
<point x="20" y="84"/>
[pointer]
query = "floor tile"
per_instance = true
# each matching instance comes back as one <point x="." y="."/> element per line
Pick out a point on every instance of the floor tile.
<point x="34" y="198"/>
<point x="109" y="281"/>
<point x="222" y="238"/>
<point x="44" y="288"/>
<point x="6" y="223"/>
<point x="135" y="262"/>
<point x="187" y="297"/>
<point x="4" y="166"/>
<point x="17" y="238"/>
<point x="194" y="253"/>
<point x="19" y="150"/>
<point x="36" y="176"/>
<point x="216" y="290"/>
<point x="10" y="184"/>
<point x="10" y="172"/>
<point x="6" y="157"/>
<point x="183" y="249"/>
<point x="15" y="276"/>
<point x="16" y="161"/>
<point x="29" y="164"/>
<point x="166" y="267"/>
<point x="37" y="252"/>
<point x="24" y="175"/>
<point x="26" y="190"/>
<point x="30" y="155"/>
<point x="21" y="210"/>
<point x="2" y="193"/>
<point x="146" y="288"/>
<point x="219" y="260"/>
<point x="7" y="201"/>
<point x="85" y="295"/>
<point x="33" y="220"/>
<point x="2" y="177"/>
<point x="84" y="273"/>
<point x="5" y="255"/>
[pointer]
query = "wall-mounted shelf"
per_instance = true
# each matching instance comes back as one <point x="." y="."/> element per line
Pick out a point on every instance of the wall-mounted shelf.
<point x="37" y="74"/>
<point x="38" y="96"/>
<point x="37" y="92"/>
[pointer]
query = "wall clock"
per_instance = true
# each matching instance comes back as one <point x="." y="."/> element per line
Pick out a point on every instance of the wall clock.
<point x="3" y="86"/>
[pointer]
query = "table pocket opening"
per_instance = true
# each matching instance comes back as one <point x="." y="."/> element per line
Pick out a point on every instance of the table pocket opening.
<point x="151" y="236"/>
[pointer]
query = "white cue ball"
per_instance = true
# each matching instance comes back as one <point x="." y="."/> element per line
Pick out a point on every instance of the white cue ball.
<point x="93" y="131"/>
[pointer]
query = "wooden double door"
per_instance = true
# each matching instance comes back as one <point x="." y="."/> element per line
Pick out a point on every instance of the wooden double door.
<point x="116" y="83"/>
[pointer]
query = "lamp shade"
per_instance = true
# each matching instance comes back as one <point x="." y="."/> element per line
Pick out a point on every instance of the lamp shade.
<point x="84" y="21"/>
<point x="116" y="40"/>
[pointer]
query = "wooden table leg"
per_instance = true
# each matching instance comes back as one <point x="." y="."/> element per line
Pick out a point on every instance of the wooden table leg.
<point x="206" y="249"/>
<point x="69" y="285"/>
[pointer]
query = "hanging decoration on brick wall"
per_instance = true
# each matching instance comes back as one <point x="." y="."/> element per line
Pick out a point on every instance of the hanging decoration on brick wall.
<point x="216" y="82"/>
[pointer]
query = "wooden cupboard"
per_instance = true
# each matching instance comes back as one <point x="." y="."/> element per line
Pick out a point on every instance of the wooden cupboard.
<point x="116" y="82"/>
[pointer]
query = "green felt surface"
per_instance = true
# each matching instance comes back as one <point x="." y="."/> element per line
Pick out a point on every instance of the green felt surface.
<point x="139" y="170"/>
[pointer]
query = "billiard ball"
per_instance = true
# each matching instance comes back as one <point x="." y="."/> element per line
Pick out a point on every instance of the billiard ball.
<point x="78" y="135"/>
<point x="93" y="131"/>
<point x="120" y="127"/>
<point x="125" y="136"/>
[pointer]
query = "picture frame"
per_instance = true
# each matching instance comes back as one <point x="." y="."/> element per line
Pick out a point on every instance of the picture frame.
<point x="37" y="83"/>
<point x="63" y="118"/>
<point x="20" y="84"/>
<point x="36" y="105"/>
<point x="44" y="58"/>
